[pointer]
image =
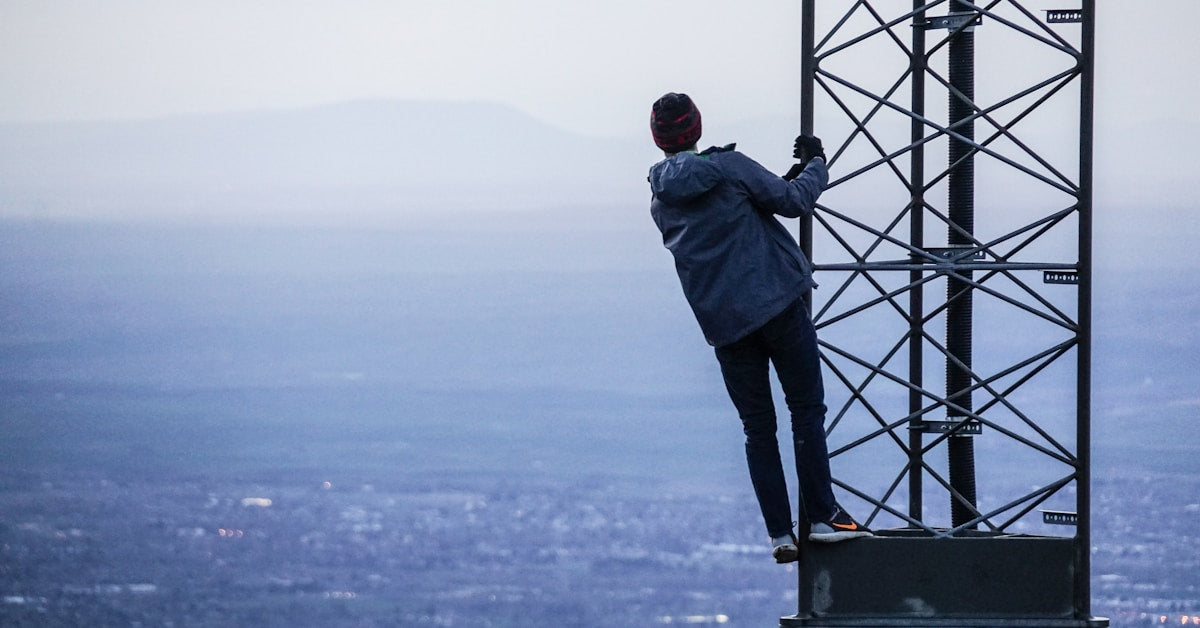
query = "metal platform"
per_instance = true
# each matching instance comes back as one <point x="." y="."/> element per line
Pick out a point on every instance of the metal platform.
<point x="914" y="578"/>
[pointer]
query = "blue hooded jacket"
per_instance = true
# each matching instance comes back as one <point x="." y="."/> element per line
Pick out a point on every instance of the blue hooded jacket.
<point x="738" y="265"/>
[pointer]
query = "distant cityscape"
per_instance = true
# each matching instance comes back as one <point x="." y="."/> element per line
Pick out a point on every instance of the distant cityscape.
<point x="294" y="427"/>
<point x="1145" y="566"/>
<point x="484" y="552"/>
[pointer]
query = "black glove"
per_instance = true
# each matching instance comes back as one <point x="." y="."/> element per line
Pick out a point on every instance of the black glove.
<point x="793" y="172"/>
<point x="807" y="147"/>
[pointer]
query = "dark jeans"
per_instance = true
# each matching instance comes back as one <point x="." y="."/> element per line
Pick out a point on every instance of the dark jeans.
<point x="789" y="341"/>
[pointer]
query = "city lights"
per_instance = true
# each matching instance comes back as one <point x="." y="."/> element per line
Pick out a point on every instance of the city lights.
<point x="694" y="619"/>
<point x="1182" y="620"/>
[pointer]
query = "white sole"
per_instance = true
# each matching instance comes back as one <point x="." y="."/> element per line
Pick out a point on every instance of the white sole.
<point x="841" y="535"/>
<point x="786" y="554"/>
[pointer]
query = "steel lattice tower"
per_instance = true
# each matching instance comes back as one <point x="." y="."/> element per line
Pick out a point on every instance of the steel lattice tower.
<point x="953" y="248"/>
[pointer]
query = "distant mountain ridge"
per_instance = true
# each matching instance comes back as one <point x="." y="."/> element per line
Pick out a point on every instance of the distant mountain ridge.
<point x="368" y="152"/>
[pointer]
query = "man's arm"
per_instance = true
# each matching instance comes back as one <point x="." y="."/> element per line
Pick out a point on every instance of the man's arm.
<point x="771" y="193"/>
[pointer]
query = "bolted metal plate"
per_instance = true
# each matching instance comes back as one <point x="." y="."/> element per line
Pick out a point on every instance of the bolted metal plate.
<point x="959" y="428"/>
<point x="971" y="20"/>
<point x="953" y="254"/>
<point x="1064" y="16"/>
<point x="1060" y="277"/>
<point x="1060" y="517"/>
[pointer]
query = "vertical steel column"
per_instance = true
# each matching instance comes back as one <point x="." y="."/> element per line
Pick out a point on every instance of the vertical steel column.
<point x="961" y="209"/>
<point x="807" y="70"/>
<point x="808" y="40"/>
<point x="1083" y="542"/>
<point x="916" y="308"/>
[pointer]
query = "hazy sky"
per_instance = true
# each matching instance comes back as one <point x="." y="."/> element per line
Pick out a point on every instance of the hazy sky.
<point x="592" y="67"/>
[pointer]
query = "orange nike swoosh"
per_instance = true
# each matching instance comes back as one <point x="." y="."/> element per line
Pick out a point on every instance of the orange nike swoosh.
<point x="852" y="526"/>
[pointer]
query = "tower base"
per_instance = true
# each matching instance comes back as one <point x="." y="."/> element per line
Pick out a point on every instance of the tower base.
<point x="912" y="578"/>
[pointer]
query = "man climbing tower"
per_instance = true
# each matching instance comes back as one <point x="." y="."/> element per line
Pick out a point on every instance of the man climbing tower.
<point x="744" y="276"/>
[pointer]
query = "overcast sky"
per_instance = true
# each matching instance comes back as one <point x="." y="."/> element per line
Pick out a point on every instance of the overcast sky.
<point x="591" y="67"/>
<point x="587" y="67"/>
<point x="581" y="65"/>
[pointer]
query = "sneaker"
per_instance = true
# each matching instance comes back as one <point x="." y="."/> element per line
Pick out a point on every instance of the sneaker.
<point x="840" y="527"/>
<point x="784" y="549"/>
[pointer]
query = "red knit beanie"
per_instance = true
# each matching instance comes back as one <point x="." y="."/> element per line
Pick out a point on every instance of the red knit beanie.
<point x="675" y="122"/>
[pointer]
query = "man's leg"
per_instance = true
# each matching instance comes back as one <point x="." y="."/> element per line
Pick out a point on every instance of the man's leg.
<point x="745" y="367"/>
<point x="793" y="344"/>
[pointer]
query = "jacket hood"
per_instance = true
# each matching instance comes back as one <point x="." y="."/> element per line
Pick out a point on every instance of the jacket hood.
<point x="683" y="177"/>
